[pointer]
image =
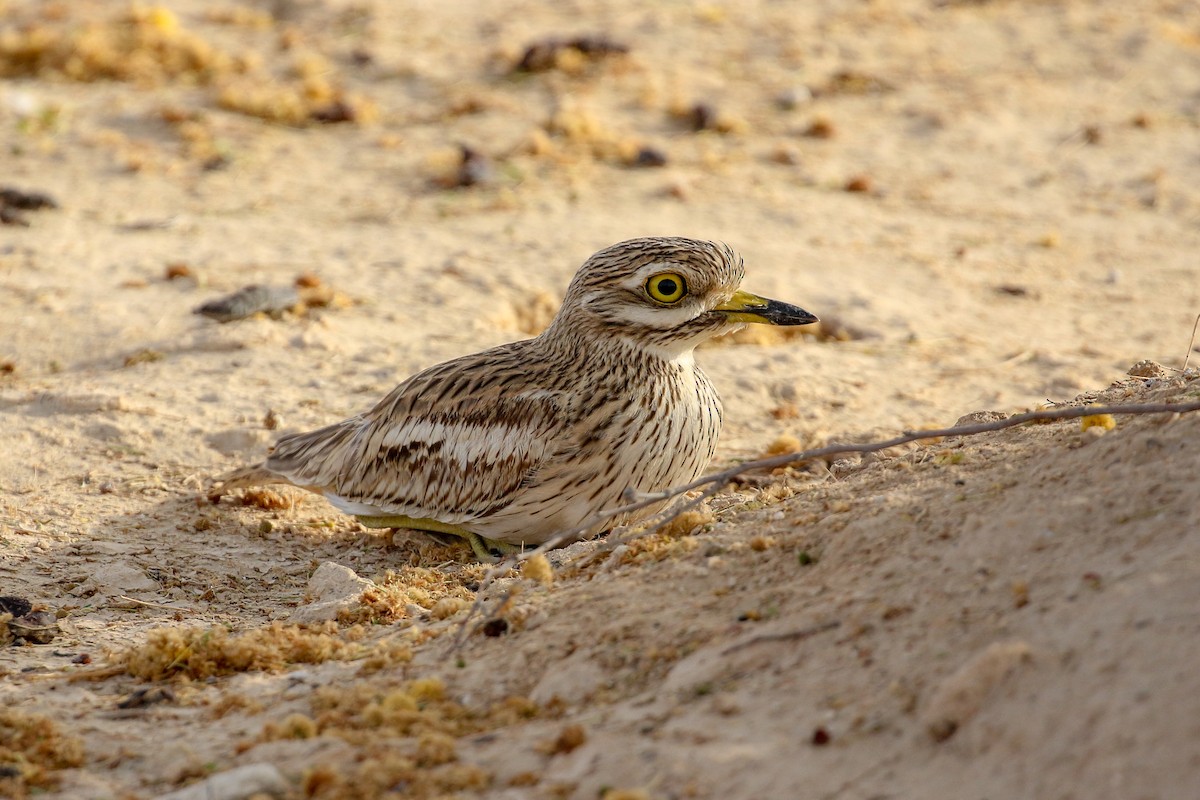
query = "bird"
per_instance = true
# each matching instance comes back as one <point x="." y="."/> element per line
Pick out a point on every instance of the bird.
<point x="521" y="443"/>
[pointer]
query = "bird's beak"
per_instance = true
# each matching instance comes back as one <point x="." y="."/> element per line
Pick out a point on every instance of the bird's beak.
<point x="746" y="307"/>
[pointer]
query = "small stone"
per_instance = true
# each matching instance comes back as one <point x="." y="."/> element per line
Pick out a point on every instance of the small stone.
<point x="980" y="417"/>
<point x="820" y="128"/>
<point x="1147" y="369"/>
<point x="147" y="696"/>
<point x="861" y="184"/>
<point x="962" y="695"/>
<point x="239" y="783"/>
<point x="475" y="168"/>
<point x="116" y="578"/>
<point x="250" y="300"/>
<point x="702" y="117"/>
<point x="649" y="157"/>
<point x="36" y="627"/>
<point x="495" y="627"/>
<point x="333" y="588"/>
<point x="17" y="606"/>
<point x="793" y="97"/>
<point x="569" y="738"/>
<point x="177" y="270"/>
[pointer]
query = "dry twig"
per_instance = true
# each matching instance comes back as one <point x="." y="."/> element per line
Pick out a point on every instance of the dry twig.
<point x="718" y="480"/>
<point x="1191" y="344"/>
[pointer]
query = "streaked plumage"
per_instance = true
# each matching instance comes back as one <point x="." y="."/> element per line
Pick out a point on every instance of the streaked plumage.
<point x="524" y="441"/>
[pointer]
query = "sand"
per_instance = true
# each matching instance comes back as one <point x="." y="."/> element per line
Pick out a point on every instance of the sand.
<point x="993" y="206"/>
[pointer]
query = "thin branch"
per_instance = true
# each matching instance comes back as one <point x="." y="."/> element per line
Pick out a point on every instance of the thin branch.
<point x="1072" y="412"/>
<point x="782" y="636"/>
<point x="718" y="480"/>
<point x="148" y="604"/>
<point x="1191" y="344"/>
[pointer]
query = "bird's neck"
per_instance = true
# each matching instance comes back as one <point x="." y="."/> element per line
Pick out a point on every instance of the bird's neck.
<point x="615" y="350"/>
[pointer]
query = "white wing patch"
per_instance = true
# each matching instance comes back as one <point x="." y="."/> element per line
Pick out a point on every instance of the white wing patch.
<point x="453" y="467"/>
<point x="468" y="445"/>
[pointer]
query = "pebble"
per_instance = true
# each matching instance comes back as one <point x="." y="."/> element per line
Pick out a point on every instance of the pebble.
<point x="250" y="300"/>
<point x="116" y="578"/>
<point x="960" y="697"/>
<point x="793" y="97"/>
<point x="1147" y="369"/>
<point x="333" y="588"/>
<point x="235" y="784"/>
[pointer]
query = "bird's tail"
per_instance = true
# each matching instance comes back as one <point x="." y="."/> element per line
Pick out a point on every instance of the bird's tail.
<point x="245" y="477"/>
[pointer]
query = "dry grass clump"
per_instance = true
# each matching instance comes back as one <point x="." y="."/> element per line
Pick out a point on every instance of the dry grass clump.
<point x="377" y="777"/>
<point x="535" y="315"/>
<point x="407" y="734"/>
<point x="675" y="538"/>
<point x="568" y="55"/>
<point x="433" y="590"/>
<point x="31" y="747"/>
<point x="198" y="653"/>
<point x="576" y="133"/>
<point x="686" y="523"/>
<point x="144" y="44"/>
<point x="784" y="443"/>
<point x="267" y="499"/>
<point x="148" y="46"/>
<point x="295" y="102"/>
<point x="537" y="568"/>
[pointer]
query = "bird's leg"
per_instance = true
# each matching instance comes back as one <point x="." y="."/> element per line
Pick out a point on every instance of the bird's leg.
<point x="489" y="551"/>
<point x="486" y="550"/>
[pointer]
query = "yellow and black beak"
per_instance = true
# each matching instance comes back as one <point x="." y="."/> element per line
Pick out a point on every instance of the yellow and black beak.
<point x="746" y="307"/>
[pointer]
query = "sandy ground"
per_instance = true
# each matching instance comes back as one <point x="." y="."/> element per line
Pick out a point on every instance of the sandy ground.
<point x="998" y="202"/>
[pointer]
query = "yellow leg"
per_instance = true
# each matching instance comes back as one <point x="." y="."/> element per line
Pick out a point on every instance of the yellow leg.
<point x="486" y="550"/>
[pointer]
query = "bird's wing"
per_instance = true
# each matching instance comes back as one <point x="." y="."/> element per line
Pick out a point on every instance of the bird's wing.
<point x="454" y="443"/>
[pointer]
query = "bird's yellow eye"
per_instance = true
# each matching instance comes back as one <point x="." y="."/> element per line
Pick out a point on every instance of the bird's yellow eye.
<point x="666" y="288"/>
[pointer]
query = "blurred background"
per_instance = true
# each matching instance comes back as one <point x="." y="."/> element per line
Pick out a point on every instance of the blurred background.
<point x="991" y="203"/>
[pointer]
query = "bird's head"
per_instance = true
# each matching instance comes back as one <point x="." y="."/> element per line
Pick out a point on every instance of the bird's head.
<point x="668" y="294"/>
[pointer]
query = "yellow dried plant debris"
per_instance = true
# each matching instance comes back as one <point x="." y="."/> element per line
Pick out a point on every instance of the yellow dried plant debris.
<point x="784" y="443"/>
<point x="148" y="46"/>
<point x="391" y="596"/>
<point x="1102" y="421"/>
<point x="675" y="538"/>
<point x="268" y="499"/>
<point x="198" y="653"/>
<point x="537" y="568"/>
<point x="535" y="315"/>
<point x="687" y="522"/>
<point x="408" y="734"/>
<point x="31" y="748"/>
<point x="295" y="102"/>
<point x="376" y="777"/>
<point x="144" y="44"/>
